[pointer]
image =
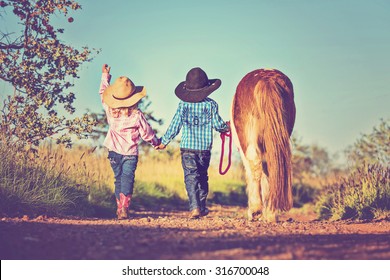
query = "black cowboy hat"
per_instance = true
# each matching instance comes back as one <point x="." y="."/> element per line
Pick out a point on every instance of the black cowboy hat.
<point x="197" y="86"/>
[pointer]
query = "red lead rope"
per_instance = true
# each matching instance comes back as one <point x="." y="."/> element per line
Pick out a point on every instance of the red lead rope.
<point x="223" y="135"/>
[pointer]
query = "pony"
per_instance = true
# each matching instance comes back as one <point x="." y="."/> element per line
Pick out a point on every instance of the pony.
<point x="263" y="117"/>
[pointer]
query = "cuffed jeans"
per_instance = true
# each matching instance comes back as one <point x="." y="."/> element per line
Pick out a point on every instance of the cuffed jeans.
<point x="195" y="165"/>
<point x="124" y="170"/>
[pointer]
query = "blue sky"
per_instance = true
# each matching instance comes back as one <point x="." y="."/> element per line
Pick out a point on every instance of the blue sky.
<point x="336" y="53"/>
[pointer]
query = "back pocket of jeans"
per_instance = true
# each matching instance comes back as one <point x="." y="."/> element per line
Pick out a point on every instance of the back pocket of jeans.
<point x="189" y="161"/>
<point x="112" y="158"/>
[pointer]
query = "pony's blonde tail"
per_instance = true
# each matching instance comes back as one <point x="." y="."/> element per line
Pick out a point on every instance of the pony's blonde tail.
<point x="275" y="143"/>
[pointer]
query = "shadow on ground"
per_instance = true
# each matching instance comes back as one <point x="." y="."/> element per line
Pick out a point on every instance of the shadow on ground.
<point x="33" y="240"/>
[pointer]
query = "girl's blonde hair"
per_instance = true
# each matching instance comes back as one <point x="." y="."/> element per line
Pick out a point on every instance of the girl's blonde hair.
<point x="123" y="111"/>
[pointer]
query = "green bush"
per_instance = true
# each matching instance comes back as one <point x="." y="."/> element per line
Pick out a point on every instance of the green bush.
<point x="362" y="195"/>
<point x="303" y="194"/>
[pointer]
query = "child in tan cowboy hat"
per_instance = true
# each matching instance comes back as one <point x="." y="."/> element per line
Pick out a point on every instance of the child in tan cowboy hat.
<point x="127" y="124"/>
<point x="198" y="115"/>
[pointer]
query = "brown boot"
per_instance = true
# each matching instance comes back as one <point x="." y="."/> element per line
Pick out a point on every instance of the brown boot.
<point x="204" y="212"/>
<point x="195" y="213"/>
<point x="125" y="201"/>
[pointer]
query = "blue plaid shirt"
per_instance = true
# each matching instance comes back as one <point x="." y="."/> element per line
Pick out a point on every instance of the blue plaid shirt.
<point x="198" y="121"/>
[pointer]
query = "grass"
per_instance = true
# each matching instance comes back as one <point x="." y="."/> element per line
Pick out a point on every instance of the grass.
<point x="30" y="186"/>
<point x="364" y="194"/>
<point x="164" y="169"/>
<point x="304" y="194"/>
<point x="79" y="181"/>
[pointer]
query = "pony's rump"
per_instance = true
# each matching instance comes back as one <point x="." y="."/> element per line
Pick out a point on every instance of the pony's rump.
<point x="263" y="116"/>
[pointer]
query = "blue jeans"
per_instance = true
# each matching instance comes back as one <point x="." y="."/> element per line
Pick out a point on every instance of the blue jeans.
<point x="195" y="165"/>
<point x="124" y="171"/>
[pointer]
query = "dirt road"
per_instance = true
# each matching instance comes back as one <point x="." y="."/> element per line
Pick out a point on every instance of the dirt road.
<point x="224" y="234"/>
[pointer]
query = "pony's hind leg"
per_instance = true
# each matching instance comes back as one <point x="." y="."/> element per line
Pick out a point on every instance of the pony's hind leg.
<point x="252" y="165"/>
<point x="268" y="215"/>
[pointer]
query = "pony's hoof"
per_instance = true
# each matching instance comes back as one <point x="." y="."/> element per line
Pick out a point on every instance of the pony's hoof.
<point x="253" y="216"/>
<point x="250" y="215"/>
<point x="270" y="217"/>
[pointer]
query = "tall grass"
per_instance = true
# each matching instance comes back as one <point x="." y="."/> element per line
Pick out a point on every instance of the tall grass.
<point x="30" y="185"/>
<point x="164" y="169"/>
<point x="80" y="181"/>
<point x="364" y="194"/>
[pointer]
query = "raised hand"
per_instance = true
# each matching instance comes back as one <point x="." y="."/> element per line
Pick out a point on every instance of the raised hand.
<point x="106" y="69"/>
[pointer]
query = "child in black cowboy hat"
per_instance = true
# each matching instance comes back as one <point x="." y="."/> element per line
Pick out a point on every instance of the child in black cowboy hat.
<point x="198" y="115"/>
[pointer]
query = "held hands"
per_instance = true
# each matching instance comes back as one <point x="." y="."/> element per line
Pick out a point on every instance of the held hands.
<point x="106" y="69"/>
<point x="160" y="147"/>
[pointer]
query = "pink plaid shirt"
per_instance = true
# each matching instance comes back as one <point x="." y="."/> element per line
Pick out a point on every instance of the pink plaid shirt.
<point x="124" y="133"/>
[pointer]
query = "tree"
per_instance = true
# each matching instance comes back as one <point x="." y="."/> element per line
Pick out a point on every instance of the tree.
<point x="40" y="68"/>
<point x="311" y="162"/>
<point x="372" y="148"/>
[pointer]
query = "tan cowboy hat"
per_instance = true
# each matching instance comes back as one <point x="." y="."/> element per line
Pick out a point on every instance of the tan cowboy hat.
<point x="123" y="93"/>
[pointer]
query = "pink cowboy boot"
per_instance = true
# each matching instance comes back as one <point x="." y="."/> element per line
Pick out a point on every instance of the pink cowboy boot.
<point x="118" y="208"/>
<point x="124" y="206"/>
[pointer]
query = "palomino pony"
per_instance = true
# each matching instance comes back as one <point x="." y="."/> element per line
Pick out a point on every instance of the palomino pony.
<point x="263" y="116"/>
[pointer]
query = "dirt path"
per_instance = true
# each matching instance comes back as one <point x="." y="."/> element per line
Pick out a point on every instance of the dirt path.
<point x="224" y="234"/>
